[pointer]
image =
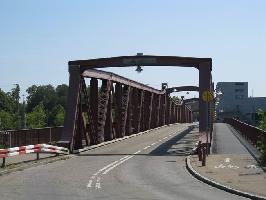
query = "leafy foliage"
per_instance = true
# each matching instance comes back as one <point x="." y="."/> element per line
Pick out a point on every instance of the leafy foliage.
<point x="45" y="106"/>
<point x="7" y="120"/>
<point x="262" y="141"/>
<point x="36" y="118"/>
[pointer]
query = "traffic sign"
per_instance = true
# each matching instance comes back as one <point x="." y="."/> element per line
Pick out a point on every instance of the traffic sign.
<point x="207" y="96"/>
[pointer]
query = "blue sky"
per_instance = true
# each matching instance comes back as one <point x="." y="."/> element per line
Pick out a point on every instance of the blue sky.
<point x="38" y="38"/>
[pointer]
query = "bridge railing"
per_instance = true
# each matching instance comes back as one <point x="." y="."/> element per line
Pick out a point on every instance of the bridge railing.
<point x="15" y="138"/>
<point x="250" y="133"/>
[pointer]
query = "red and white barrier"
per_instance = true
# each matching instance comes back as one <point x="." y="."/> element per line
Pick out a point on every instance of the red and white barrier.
<point x="37" y="148"/>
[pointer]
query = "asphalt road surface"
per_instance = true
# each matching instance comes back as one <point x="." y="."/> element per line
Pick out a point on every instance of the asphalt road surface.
<point x="225" y="142"/>
<point x="150" y="166"/>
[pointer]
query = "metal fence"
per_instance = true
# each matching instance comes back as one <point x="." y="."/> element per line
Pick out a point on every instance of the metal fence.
<point x="16" y="138"/>
<point x="250" y="133"/>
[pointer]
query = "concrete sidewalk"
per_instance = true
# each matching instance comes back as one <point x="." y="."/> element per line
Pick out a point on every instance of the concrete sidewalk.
<point x="231" y="166"/>
<point x="239" y="172"/>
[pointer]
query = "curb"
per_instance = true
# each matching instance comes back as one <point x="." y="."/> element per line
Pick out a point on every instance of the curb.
<point x="120" y="139"/>
<point x="218" y="185"/>
<point x="34" y="163"/>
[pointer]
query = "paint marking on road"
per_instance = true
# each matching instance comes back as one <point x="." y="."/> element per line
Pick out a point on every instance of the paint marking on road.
<point x="137" y="152"/>
<point x="154" y="143"/>
<point x="119" y="163"/>
<point x="227" y="160"/>
<point x="146" y="147"/>
<point x="98" y="183"/>
<point x="90" y="183"/>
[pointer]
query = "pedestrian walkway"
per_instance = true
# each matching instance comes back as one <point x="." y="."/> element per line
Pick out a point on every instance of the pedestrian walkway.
<point x="231" y="165"/>
<point x="225" y="142"/>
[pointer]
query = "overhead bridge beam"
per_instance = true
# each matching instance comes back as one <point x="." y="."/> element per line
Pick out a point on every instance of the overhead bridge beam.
<point x="182" y="88"/>
<point x="92" y="73"/>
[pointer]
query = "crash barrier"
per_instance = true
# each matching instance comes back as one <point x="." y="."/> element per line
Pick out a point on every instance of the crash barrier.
<point x="23" y="137"/>
<point x="37" y="148"/>
<point x="250" y="133"/>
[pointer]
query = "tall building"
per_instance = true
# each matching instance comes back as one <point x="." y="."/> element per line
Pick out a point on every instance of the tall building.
<point x="233" y="101"/>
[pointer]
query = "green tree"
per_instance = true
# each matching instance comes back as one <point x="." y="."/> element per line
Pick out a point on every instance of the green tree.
<point x="36" y="118"/>
<point x="7" y="120"/>
<point x="262" y="141"/>
<point x="7" y="102"/>
<point x="41" y="94"/>
<point x="58" y="115"/>
<point x="61" y="95"/>
<point x="262" y="119"/>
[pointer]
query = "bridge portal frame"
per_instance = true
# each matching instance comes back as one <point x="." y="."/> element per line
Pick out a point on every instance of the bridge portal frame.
<point x="79" y="68"/>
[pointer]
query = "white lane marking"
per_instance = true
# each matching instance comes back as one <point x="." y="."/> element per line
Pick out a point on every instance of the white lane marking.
<point x="98" y="183"/>
<point x="227" y="160"/>
<point x="90" y="183"/>
<point x="146" y="147"/>
<point x="137" y="152"/>
<point x="251" y="167"/>
<point x="154" y="143"/>
<point x="116" y="163"/>
<point x="119" y="163"/>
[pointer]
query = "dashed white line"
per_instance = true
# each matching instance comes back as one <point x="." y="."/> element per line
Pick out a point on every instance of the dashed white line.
<point x="137" y="152"/>
<point x="154" y="143"/>
<point x="146" y="147"/>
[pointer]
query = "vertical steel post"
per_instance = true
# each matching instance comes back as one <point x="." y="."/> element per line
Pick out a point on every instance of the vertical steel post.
<point x="108" y="129"/>
<point x="129" y="113"/>
<point x="118" y="107"/>
<point x="150" y="111"/>
<point x="204" y="85"/>
<point x="68" y="132"/>
<point x="94" y="96"/>
<point x="103" y="104"/>
<point x="125" y="100"/>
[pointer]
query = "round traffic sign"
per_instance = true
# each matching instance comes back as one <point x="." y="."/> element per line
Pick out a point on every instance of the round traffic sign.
<point x="207" y="96"/>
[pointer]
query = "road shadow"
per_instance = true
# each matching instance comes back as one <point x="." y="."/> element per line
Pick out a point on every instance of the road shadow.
<point x="180" y="145"/>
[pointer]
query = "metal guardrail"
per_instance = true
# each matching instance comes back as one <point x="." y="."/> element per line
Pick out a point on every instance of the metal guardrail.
<point x="15" y="138"/>
<point x="37" y="148"/>
<point x="250" y="133"/>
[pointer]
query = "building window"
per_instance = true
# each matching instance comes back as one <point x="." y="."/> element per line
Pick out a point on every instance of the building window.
<point x="239" y="90"/>
<point x="239" y="96"/>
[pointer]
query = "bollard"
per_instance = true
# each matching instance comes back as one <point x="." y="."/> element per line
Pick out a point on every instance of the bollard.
<point x="3" y="163"/>
<point x="38" y="155"/>
<point x="199" y="150"/>
<point x="204" y="156"/>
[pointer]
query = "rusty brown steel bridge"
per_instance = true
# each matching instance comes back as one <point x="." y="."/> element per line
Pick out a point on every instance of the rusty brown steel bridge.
<point x="114" y="106"/>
